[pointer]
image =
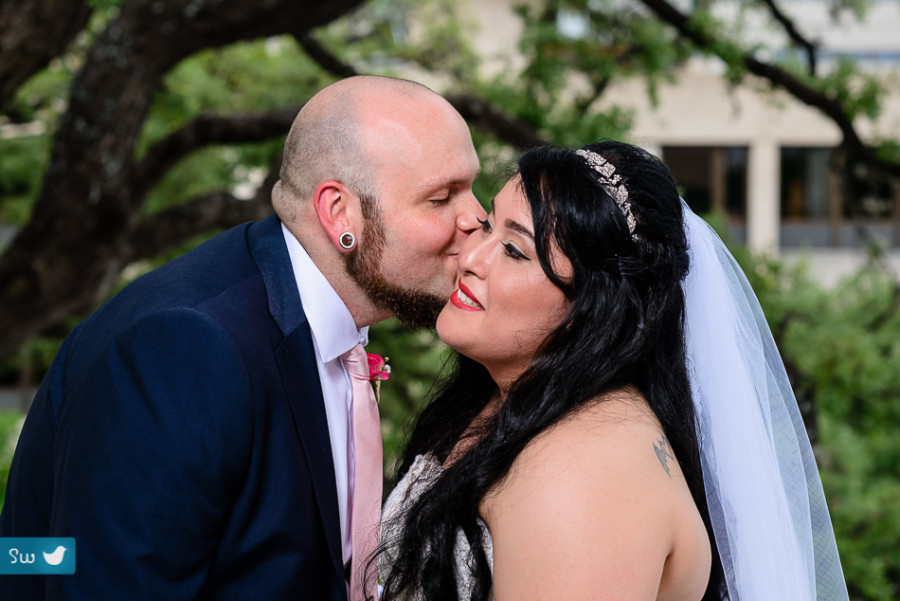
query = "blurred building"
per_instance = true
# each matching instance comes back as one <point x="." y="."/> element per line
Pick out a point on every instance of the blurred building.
<point x="761" y="157"/>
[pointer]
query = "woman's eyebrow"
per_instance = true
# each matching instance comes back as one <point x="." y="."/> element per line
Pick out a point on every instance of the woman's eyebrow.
<point x="513" y="225"/>
<point x="517" y="227"/>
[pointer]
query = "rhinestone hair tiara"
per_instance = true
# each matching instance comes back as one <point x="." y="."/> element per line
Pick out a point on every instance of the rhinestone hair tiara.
<point x="612" y="183"/>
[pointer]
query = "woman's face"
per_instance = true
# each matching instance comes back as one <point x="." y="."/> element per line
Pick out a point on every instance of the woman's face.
<point x="504" y="305"/>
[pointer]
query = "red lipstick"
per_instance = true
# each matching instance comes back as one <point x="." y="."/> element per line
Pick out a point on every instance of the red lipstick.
<point x="459" y="303"/>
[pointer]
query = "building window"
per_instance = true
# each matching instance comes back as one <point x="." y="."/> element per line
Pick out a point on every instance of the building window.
<point x="805" y="183"/>
<point x="869" y="195"/>
<point x="828" y="201"/>
<point x="712" y="179"/>
<point x="810" y="214"/>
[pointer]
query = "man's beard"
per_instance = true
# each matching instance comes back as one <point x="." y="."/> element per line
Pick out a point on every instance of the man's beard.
<point x="413" y="308"/>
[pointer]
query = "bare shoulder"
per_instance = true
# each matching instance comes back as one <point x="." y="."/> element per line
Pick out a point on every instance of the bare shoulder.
<point x="616" y="440"/>
<point x="599" y="495"/>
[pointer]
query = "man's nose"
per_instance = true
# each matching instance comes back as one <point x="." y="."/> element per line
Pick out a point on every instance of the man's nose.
<point x="469" y="214"/>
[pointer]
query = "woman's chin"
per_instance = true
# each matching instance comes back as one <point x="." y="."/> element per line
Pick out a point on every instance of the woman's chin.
<point x="442" y="325"/>
<point x="448" y="330"/>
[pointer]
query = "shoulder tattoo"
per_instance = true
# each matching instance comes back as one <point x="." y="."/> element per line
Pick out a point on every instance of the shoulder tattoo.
<point x="663" y="453"/>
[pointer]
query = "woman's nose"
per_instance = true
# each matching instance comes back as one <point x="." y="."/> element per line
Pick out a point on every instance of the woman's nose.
<point x="473" y="254"/>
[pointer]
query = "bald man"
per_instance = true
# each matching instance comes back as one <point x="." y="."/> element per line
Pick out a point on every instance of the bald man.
<point x="194" y="434"/>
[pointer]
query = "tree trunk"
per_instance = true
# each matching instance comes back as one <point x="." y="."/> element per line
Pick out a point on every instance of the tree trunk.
<point x="70" y="253"/>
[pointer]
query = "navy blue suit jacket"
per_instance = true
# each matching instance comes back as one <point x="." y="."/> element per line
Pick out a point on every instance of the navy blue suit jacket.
<point x="180" y="437"/>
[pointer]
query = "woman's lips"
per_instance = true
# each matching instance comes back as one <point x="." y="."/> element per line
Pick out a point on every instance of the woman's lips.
<point x="463" y="299"/>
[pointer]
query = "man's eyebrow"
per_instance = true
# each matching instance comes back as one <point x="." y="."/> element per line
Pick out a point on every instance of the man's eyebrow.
<point x="514" y="225"/>
<point x="439" y="183"/>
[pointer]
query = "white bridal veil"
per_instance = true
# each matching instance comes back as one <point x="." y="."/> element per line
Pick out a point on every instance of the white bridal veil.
<point x="765" y="497"/>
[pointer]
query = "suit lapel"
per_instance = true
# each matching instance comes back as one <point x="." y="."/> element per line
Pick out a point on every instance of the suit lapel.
<point x="297" y="362"/>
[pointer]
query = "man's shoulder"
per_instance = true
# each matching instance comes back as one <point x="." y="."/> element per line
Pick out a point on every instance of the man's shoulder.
<point x="192" y="279"/>
<point x="218" y="278"/>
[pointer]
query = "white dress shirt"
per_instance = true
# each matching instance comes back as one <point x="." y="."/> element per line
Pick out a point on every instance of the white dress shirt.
<point x="333" y="333"/>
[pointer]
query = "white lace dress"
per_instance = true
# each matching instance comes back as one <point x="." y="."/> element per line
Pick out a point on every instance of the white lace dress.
<point x="424" y="471"/>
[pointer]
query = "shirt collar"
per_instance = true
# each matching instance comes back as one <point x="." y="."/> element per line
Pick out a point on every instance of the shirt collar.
<point x="333" y="330"/>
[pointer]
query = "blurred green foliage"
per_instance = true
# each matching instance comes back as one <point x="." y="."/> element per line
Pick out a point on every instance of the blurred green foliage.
<point x="848" y="349"/>
<point x="844" y="345"/>
<point x="22" y="162"/>
<point x="10" y="423"/>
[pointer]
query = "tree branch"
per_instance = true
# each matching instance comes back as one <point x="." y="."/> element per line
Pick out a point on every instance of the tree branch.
<point x="217" y="210"/>
<point x="475" y="111"/>
<point x="492" y="120"/>
<point x="600" y="83"/>
<point x="32" y="32"/>
<point x="209" y="129"/>
<point x="174" y="226"/>
<point x="794" y="34"/>
<point x="598" y="87"/>
<point x="779" y="78"/>
<point x="328" y="61"/>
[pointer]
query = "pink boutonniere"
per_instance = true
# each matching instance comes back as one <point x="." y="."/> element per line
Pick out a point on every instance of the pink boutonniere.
<point x="379" y="370"/>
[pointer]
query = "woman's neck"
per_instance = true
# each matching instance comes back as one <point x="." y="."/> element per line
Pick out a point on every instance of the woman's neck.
<point x="474" y="431"/>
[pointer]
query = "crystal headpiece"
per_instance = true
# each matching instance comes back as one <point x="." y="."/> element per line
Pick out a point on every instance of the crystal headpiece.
<point x="612" y="183"/>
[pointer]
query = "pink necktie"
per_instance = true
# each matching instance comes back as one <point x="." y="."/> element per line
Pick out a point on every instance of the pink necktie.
<point x="365" y="515"/>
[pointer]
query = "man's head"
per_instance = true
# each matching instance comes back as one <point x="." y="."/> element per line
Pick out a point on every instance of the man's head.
<point x="392" y="163"/>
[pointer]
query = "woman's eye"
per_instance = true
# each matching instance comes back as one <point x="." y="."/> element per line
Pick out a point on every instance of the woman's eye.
<point x="514" y="252"/>
<point x="511" y="251"/>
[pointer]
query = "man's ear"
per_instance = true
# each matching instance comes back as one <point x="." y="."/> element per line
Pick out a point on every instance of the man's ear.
<point x="336" y="208"/>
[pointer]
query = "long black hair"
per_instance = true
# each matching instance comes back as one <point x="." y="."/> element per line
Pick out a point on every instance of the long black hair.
<point x="625" y="326"/>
